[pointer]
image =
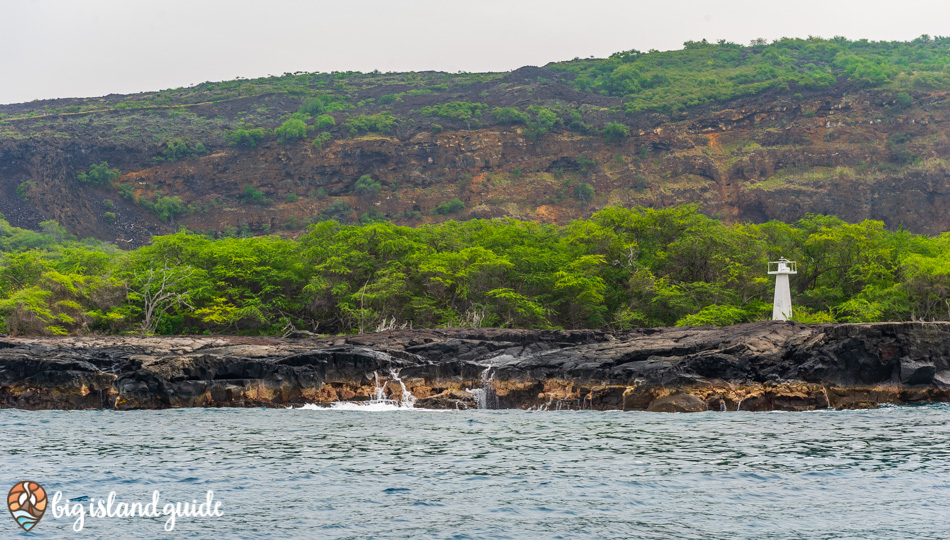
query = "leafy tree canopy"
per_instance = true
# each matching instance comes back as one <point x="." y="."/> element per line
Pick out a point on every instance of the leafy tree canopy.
<point x="621" y="268"/>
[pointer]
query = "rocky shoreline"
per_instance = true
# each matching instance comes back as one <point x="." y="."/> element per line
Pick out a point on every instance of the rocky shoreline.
<point x="756" y="366"/>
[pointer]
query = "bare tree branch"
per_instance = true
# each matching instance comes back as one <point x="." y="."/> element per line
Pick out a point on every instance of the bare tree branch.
<point x="159" y="290"/>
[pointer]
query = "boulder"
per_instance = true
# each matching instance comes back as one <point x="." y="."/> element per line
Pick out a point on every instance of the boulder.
<point x="677" y="403"/>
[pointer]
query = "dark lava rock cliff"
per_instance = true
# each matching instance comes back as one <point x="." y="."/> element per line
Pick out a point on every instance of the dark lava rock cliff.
<point x="757" y="366"/>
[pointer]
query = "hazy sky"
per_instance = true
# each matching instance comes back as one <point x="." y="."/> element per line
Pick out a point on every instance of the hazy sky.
<point x="69" y="48"/>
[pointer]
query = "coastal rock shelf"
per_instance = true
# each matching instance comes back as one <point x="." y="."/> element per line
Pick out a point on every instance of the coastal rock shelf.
<point x="756" y="366"/>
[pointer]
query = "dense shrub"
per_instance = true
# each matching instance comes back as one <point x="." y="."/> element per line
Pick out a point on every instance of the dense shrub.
<point x="464" y="112"/>
<point x="126" y="191"/>
<point x="584" y="192"/>
<point x="253" y="195"/>
<point x="325" y="121"/>
<point x="177" y="148"/>
<point x="312" y="107"/>
<point x="245" y="137"/>
<point x="903" y="100"/>
<point x="544" y="120"/>
<point x="640" y="183"/>
<point x="168" y="207"/>
<point x="383" y="122"/>
<point x="615" y="132"/>
<point x="291" y="130"/>
<point x="99" y="174"/>
<point x="23" y="189"/>
<point x="372" y="216"/>
<point x="509" y="115"/>
<point x="338" y="209"/>
<point x="322" y="139"/>
<point x="365" y="185"/>
<point x="450" y="207"/>
<point x="585" y="164"/>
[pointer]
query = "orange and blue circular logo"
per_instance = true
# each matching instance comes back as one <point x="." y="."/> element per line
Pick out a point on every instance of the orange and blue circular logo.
<point x="27" y="504"/>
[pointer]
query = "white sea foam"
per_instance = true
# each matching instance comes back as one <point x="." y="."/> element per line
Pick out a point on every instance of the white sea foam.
<point x="365" y="406"/>
<point x="378" y="403"/>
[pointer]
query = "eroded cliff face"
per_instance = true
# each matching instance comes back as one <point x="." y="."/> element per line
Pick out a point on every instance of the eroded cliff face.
<point x="845" y="152"/>
<point x="757" y="366"/>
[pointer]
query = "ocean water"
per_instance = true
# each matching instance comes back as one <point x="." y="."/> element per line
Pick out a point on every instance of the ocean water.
<point x="319" y="473"/>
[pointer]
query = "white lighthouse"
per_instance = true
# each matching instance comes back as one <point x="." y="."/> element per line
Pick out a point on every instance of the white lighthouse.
<point x="782" y="305"/>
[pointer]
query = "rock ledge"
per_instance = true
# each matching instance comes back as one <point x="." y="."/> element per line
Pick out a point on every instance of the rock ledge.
<point x="756" y="366"/>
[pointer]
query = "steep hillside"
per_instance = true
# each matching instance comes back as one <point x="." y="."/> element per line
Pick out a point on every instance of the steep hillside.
<point x="854" y="129"/>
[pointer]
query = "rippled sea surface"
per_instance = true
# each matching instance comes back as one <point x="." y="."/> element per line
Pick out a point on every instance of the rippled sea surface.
<point x="503" y="474"/>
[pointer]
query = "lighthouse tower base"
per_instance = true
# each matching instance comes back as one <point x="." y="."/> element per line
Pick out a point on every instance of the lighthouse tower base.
<point x="782" y="305"/>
